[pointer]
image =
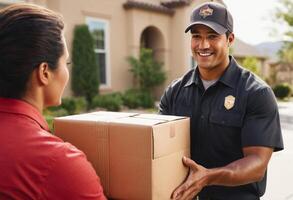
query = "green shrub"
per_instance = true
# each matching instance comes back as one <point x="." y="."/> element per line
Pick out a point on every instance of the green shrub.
<point x="56" y="112"/>
<point x="146" y="100"/>
<point x="134" y="98"/>
<point x="74" y="105"/>
<point x="52" y="109"/>
<point x="51" y="113"/>
<point x="111" y="102"/>
<point x="146" y="70"/>
<point x="252" y="64"/>
<point x="131" y="99"/>
<point x="85" y="75"/>
<point x="69" y="106"/>
<point x="282" y="90"/>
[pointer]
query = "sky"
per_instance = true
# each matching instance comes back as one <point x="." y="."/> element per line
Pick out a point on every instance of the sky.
<point x="253" y="20"/>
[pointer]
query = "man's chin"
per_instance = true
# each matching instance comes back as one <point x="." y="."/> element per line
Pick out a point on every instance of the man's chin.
<point x="204" y="65"/>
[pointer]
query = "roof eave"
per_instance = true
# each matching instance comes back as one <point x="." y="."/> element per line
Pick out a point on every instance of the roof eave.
<point x="131" y="4"/>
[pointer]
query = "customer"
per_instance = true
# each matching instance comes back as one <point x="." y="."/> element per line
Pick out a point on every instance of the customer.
<point x="33" y="163"/>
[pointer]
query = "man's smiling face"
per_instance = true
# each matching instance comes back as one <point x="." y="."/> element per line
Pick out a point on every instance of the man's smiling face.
<point x="209" y="49"/>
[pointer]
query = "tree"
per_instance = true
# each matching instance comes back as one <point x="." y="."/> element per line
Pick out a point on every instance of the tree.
<point x="85" y="76"/>
<point x="146" y="70"/>
<point x="252" y="64"/>
<point x="286" y="53"/>
<point x="285" y="14"/>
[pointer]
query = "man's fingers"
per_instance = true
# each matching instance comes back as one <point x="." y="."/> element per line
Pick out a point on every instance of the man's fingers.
<point x="181" y="189"/>
<point x="190" y="187"/>
<point x="189" y="194"/>
<point x="189" y="163"/>
<point x="178" y="192"/>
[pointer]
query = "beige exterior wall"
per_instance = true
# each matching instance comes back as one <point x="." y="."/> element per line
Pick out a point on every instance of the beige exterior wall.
<point x="76" y="12"/>
<point x="282" y="73"/>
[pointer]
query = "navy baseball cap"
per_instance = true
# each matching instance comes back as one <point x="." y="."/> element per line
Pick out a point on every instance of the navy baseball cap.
<point x="214" y="15"/>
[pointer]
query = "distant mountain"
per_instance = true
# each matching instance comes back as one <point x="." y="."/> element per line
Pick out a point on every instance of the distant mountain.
<point x="270" y="49"/>
<point x="243" y="49"/>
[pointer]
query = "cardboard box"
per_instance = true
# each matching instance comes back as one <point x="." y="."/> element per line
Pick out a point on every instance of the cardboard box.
<point x="137" y="156"/>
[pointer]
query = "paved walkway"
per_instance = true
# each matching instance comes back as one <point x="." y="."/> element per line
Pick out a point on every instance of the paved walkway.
<point x="286" y="114"/>
<point x="280" y="173"/>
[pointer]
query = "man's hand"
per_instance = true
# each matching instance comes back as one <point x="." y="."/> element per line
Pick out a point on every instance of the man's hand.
<point x="194" y="183"/>
<point x="251" y="168"/>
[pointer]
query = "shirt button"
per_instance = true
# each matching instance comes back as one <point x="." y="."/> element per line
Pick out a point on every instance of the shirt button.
<point x="202" y="116"/>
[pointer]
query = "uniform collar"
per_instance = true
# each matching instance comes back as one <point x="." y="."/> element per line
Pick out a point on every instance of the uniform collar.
<point x="16" y="106"/>
<point x="228" y="78"/>
<point x="193" y="79"/>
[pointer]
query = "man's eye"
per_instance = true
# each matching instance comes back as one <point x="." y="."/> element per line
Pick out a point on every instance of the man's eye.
<point x="212" y="36"/>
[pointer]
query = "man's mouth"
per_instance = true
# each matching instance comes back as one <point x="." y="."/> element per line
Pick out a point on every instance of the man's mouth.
<point x="204" y="54"/>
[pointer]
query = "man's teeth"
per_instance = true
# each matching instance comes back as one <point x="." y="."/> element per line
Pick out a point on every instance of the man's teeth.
<point x="205" y="54"/>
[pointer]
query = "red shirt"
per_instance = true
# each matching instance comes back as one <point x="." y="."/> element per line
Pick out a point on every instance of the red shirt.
<point x="35" y="164"/>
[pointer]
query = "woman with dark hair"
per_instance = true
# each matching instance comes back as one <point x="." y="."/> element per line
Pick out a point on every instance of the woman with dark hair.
<point x="33" y="163"/>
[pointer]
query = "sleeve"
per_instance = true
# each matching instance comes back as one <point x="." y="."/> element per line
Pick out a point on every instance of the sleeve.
<point x="261" y="125"/>
<point x="165" y="102"/>
<point x="73" y="177"/>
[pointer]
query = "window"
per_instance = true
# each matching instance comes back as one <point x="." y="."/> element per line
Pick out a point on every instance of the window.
<point x="99" y="30"/>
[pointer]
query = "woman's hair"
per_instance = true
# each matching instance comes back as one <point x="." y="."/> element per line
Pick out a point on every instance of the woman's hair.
<point x="29" y="36"/>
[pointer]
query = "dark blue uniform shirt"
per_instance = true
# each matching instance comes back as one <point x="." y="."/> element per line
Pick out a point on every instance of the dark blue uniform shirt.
<point x="239" y="110"/>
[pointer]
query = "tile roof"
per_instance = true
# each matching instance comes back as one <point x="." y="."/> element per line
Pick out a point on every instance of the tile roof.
<point x="164" y="6"/>
<point x="148" y="6"/>
<point x="175" y="3"/>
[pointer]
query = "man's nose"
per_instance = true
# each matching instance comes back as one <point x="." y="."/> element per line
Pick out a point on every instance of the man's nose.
<point x="204" y="44"/>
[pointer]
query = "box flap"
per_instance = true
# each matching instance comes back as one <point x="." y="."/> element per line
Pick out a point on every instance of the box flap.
<point x="160" y="117"/>
<point x="170" y="137"/>
<point x="81" y="117"/>
<point x="138" y="121"/>
<point x="96" y="116"/>
<point x="113" y="114"/>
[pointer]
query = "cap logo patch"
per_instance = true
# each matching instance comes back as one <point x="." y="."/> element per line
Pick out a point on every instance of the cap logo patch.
<point x="205" y="11"/>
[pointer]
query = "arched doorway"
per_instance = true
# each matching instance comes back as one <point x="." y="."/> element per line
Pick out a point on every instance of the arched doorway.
<point x="152" y="38"/>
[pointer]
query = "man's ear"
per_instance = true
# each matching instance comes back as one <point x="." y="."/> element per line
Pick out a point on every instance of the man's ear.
<point x="231" y="38"/>
<point x="43" y="73"/>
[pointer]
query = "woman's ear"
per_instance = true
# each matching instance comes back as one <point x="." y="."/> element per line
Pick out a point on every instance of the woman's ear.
<point x="43" y="73"/>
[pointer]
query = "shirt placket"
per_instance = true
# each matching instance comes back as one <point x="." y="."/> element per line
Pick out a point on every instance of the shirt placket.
<point x="203" y="122"/>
